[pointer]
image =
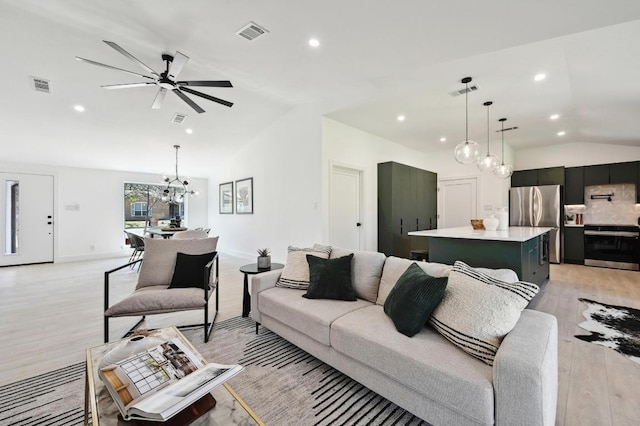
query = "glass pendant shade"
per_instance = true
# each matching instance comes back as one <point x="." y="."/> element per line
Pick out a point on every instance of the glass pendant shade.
<point x="489" y="162"/>
<point x="467" y="152"/>
<point x="504" y="171"/>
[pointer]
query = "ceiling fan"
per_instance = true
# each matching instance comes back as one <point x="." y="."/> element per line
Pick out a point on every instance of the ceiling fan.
<point x="165" y="80"/>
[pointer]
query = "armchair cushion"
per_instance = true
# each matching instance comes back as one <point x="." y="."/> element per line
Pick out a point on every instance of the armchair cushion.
<point x="189" y="270"/>
<point x="156" y="300"/>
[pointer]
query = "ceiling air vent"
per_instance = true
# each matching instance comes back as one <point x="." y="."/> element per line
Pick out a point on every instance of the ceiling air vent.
<point x="463" y="91"/>
<point x="178" y="118"/>
<point x="40" y="84"/>
<point x="251" y="31"/>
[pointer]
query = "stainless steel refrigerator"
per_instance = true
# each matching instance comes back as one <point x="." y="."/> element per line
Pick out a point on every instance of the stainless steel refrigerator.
<point x="538" y="206"/>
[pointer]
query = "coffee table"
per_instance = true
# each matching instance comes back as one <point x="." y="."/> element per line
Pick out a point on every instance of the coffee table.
<point x="230" y="409"/>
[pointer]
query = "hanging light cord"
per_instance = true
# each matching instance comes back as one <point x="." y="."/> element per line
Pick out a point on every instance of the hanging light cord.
<point x="466" y="113"/>
<point x="502" y="134"/>
<point x="488" y="137"/>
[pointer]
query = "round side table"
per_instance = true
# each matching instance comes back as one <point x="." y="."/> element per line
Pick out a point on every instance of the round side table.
<point x="252" y="269"/>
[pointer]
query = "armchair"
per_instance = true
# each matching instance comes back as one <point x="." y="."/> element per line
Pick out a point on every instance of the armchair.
<point x="154" y="293"/>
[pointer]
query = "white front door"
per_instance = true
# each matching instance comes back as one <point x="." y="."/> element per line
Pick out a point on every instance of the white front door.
<point x="344" y="207"/>
<point x="458" y="202"/>
<point x="26" y="218"/>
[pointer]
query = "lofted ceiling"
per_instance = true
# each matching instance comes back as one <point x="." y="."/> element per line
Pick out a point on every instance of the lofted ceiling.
<point x="376" y="60"/>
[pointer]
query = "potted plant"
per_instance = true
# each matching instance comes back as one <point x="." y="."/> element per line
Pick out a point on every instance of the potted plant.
<point x="264" y="259"/>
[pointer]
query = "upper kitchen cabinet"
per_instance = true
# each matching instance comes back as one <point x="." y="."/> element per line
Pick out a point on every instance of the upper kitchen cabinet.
<point x="596" y="175"/>
<point x="534" y="177"/>
<point x="623" y="172"/>
<point x="574" y="185"/>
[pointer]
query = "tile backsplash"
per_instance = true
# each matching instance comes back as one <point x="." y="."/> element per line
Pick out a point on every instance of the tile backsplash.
<point x="619" y="211"/>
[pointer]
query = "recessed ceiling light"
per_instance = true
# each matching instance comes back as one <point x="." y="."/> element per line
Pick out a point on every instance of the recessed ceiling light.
<point x="79" y="108"/>
<point x="443" y="139"/>
<point x="554" y="116"/>
<point x="562" y="133"/>
<point x="189" y="131"/>
<point x="314" y="42"/>
<point x="540" y="77"/>
<point x="401" y="118"/>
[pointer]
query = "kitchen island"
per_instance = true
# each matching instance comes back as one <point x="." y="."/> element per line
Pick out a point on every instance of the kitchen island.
<point x="523" y="249"/>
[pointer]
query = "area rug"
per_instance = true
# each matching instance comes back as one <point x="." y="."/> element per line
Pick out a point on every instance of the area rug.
<point x="611" y="326"/>
<point x="283" y="384"/>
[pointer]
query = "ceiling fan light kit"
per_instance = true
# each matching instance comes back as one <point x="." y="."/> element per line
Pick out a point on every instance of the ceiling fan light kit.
<point x="467" y="151"/>
<point x="167" y="80"/>
<point x="503" y="171"/>
<point x="489" y="162"/>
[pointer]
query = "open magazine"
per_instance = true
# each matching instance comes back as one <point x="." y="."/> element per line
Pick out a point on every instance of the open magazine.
<point x="162" y="381"/>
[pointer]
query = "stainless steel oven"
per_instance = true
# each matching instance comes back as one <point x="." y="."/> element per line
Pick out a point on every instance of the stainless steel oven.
<point x="612" y="246"/>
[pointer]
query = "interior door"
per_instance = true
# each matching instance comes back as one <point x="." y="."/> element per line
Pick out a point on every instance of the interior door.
<point x="458" y="202"/>
<point x="26" y="218"/>
<point x="344" y="208"/>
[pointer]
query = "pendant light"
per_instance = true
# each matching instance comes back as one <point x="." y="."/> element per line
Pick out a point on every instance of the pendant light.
<point x="177" y="188"/>
<point x="489" y="162"/>
<point x="467" y="152"/>
<point x="503" y="171"/>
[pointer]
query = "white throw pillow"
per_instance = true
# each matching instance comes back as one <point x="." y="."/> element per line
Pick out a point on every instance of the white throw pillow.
<point x="296" y="271"/>
<point x="477" y="310"/>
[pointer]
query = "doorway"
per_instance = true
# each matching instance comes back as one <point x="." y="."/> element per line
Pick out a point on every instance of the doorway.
<point x="458" y="202"/>
<point x="26" y="218"/>
<point x="345" y="201"/>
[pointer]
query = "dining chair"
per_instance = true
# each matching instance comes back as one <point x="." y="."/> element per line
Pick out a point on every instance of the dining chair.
<point x="190" y="234"/>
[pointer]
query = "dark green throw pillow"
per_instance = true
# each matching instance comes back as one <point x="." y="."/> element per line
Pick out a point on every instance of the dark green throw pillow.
<point x="330" y="278"/>
<point x="189" y="270"/>
<point x="413" y="298"/>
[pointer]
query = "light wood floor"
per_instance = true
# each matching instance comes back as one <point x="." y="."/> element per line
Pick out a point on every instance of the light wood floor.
<point x="50" y="313"/>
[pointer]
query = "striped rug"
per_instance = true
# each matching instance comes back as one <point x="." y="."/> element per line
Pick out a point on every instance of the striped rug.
<point x="283" y="384"/>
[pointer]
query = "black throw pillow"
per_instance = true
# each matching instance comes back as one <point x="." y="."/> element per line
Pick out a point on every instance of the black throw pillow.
<point x="330" y="278"/>
<point x="413" y="298"/>
<point x="189" y="270"/>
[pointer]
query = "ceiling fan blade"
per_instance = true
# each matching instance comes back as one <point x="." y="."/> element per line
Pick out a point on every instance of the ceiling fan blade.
<point x="211" y="98"/>
<point x="126" y="85"/>
<point x="207" y="83"/>
<point x="130" y="56"/>
<point x="157" y="103"/>
<point x="177" y="64"/>
<point x="89" y="61"/>
<point x="188" y="101"/>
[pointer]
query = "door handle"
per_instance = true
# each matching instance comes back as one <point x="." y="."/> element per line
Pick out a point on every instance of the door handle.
<point x="49" y="223"/>
<point x="358" y="224"/>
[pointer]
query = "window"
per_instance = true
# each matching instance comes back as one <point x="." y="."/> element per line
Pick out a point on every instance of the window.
<point x="139" y="209"/>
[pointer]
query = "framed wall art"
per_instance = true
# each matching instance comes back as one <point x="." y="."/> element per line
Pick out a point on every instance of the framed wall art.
<point x="244" y="196"/>
<point x="226" y="198"/>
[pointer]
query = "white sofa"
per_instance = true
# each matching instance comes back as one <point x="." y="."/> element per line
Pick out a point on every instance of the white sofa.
<point x="424" y="374"/>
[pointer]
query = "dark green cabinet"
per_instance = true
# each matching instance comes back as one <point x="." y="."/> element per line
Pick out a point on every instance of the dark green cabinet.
<point x="596" y="175"/>
<point x="407" y="201"/>
<point x="533" y="177"/>
<point x="574" y="185"/>
<point x="623" y="173"/>
<point x="574" y="245"/>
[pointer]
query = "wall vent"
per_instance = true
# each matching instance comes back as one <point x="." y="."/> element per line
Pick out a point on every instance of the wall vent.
<point x="463" y="91"/>
<point x="40" y="84"/>
<point x="251" y="31"/>
<point x="178" y="118"/>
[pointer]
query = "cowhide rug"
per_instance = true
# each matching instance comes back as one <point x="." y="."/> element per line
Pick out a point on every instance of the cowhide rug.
<point x="615" y="327"/>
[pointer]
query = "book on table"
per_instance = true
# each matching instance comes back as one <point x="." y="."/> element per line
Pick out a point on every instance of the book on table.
<point x="160" y="382"/>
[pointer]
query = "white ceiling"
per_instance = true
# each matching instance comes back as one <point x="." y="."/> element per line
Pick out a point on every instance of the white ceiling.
<point x="376" y="60"/>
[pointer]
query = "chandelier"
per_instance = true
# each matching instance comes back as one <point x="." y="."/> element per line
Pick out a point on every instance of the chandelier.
<point x="466" y="152"/>
<point x="178" y="187"/>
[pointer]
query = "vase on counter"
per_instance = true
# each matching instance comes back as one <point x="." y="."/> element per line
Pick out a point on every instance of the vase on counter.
<point x="502" y="214"/>
<point x="490" y="223"/>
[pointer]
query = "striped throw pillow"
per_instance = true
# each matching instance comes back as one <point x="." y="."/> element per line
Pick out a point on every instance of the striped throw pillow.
<point x="477" y="310"/>
<point x="296" y="271"/>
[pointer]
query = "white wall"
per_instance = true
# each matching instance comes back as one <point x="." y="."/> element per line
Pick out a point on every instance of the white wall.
<point x="575" y="154"/>
<point x="346" y="145"/>
<point x="284" y="161"/>
<point x="99" y="220"/>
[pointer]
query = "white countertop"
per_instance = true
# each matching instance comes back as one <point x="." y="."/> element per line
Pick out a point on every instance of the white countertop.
<point x="514" y="233"/>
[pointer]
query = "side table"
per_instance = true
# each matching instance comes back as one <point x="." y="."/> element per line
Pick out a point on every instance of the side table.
<point x="252" y="269"/>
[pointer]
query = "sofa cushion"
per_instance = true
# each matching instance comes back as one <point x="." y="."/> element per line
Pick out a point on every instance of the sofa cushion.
<point x="296" y="270"/>
<point x="394" y="267"/>
<point x="311" y="317"/>
<point x="413" y="298"/>
<point x="477" y="310"/>
<point x="158" y="299"/>
<point x="366" y="270"/>
<point x="189" y="270"/>
<point x="426" y="362"/>
<point x="330" y="278"/>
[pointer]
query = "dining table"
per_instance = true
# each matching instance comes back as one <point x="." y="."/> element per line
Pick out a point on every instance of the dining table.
<point x="164" y="232"/>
